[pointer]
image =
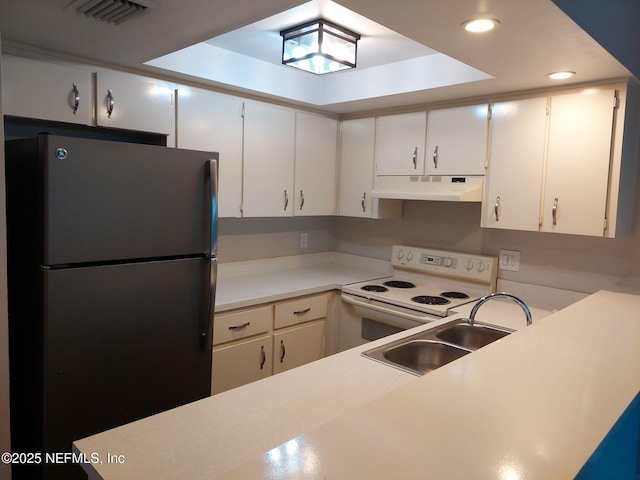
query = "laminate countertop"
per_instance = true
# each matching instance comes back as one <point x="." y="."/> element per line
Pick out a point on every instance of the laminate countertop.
<point x="534" y="404"/>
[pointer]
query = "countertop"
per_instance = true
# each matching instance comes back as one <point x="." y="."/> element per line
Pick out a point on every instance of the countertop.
<point x="548" y="394"/>
<point x="533" y="405"/>
<point x="242" y="284"/>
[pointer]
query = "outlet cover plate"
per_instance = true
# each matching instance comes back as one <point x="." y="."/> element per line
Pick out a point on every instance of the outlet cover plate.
<point x="509" y="260"/>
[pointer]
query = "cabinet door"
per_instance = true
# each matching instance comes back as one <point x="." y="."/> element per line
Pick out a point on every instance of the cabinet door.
<point x="400" y="144"/>
<point x="356" y="167"/>
<point x="212" y="121"/>
<point x="134" y="103"/>
<point x="298" y="345"/>
<point x="268" y="161"/>
<point x="457" y="141"/>
<point x="240" y="363"/>
<point x="578" y="159"/>
<point x="46" y="91"/>
<point x="513" y="185"/>
<point x="315" y="165"/>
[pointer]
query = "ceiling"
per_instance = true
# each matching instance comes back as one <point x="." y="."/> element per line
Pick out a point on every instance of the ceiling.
<point x="534" y="38"/>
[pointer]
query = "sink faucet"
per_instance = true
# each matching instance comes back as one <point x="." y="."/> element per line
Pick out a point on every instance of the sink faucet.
<point x="488" y="297"/>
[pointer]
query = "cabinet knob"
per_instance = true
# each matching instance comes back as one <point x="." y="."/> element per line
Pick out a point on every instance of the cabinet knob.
<point x="554" y="211"/>
<point x="435" y="157"/>
<point x="282" y="351"/>
<point x="263" y="357"/>
<point x="496" y="208"/>
<point x="286" y="200"/>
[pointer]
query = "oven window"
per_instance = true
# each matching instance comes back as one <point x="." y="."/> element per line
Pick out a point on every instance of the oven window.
<point x="372" y="330"/>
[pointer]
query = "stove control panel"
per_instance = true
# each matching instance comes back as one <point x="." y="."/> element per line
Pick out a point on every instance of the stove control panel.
<point x="477" y="268"/>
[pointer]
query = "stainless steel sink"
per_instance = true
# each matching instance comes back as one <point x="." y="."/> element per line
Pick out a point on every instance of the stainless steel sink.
<point x="423" y="355"/>
<point x="471" y="336"/>
<point x="425" y="351"/>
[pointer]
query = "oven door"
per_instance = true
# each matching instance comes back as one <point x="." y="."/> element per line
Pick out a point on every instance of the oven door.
<point x="363" y="320"/>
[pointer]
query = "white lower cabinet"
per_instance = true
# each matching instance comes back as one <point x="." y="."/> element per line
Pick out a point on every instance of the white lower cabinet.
<point x="257" y="342"/>
<point x="298" y="345"/>
<point x="241" y="363"/>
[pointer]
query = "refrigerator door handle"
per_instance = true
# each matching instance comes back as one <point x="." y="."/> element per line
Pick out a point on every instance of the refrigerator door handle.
<point x="212" y="174"/>
<point x="213" y="205"/>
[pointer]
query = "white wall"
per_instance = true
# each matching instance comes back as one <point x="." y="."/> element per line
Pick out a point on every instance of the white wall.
<point x="5" y="444"/>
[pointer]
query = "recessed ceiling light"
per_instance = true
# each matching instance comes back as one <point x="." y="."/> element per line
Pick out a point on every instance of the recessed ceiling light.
<point x="560" y="75"/>
<point x="480" y="25"/>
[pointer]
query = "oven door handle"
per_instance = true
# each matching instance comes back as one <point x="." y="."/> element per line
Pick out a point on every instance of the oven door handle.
<point x="389" y="311"/>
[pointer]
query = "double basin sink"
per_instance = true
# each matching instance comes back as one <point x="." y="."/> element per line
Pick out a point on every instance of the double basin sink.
<point x="425" y="351"/>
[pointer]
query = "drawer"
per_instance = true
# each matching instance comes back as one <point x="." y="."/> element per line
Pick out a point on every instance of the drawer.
<point x="242" y="324"/>
<point x="300" y="310"/>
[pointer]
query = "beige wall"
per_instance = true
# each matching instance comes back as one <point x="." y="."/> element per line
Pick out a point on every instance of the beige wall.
<point x="5" y="445"/>
<point x="571" y="262"/>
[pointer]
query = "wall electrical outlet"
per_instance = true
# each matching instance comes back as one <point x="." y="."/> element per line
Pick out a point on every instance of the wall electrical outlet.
<point x="304" y="239"/>
<point x="509" y="260"/>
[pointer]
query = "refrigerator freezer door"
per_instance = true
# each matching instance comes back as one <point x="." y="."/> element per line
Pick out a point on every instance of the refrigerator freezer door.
<point x="116" y="201"/>
<point x="122" y="342"/>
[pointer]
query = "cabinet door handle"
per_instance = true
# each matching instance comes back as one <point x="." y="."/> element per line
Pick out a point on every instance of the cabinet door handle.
<point x="263" y="357"/>
<point x="110" y="103"/>
<point x="236" y="328"/>
<point x="415" y="158"/>
<point x="301" y="199"/>
<point x="554" y="211"/>
<point x="76" y="99"/>
<point x="302" y="312"/>
<point x="496" y="208"/>
<point x="435" y="157"/>
<point x="282" y="350"/>
<point x="286" y="200"/>
<point x="364" y="197"/>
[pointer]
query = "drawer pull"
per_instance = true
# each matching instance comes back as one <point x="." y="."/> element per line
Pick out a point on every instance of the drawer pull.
<point x="302" y="312"/>
<point x="263" y="357"/>
<point x="236" y="328"/>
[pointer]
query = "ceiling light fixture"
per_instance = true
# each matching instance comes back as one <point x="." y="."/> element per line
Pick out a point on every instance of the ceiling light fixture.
<point x="560" y="75"/>
<point x="319" y="47"/>
<point x="480" y="25"/>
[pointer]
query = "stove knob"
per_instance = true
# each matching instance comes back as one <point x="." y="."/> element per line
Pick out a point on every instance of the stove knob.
<point x="400" y="254"/>
<point x="469" y="265"/>
<point x="409" y="255"/>
<point x="481" y="266"/>
<point x="448" y="262"/>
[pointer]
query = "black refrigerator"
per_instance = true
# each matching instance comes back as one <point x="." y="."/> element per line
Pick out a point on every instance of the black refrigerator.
<point x="112" y="276"/>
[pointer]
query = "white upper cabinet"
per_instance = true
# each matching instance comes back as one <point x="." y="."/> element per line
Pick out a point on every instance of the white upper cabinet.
<point x="356" y="167"/>
<point x="269" y="139"/>
<point x="315" y="165"/>
<point x="457" y="141"/>
<point x="577" y="170"/>
<point x="399" y="147"/>
<point x="211" y="121"/>
<point x="514" y="178"/>
<point x="46" y="91"/>
<point x="133" y="102"/>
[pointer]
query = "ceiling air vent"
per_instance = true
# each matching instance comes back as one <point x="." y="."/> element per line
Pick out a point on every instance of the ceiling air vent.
<point x="111" y="11"/>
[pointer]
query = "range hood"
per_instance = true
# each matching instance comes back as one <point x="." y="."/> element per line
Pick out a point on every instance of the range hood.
<point x="430" y="187"/>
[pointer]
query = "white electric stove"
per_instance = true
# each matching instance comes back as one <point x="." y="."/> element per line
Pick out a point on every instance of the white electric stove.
<point x="427" y="284"/>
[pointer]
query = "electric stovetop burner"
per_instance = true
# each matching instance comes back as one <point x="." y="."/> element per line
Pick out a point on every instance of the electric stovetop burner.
<point x="454" y="295"/>
<point x="399" y="284"/>
<point x="430" y="300"/>
<point x="374" y="288"/>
